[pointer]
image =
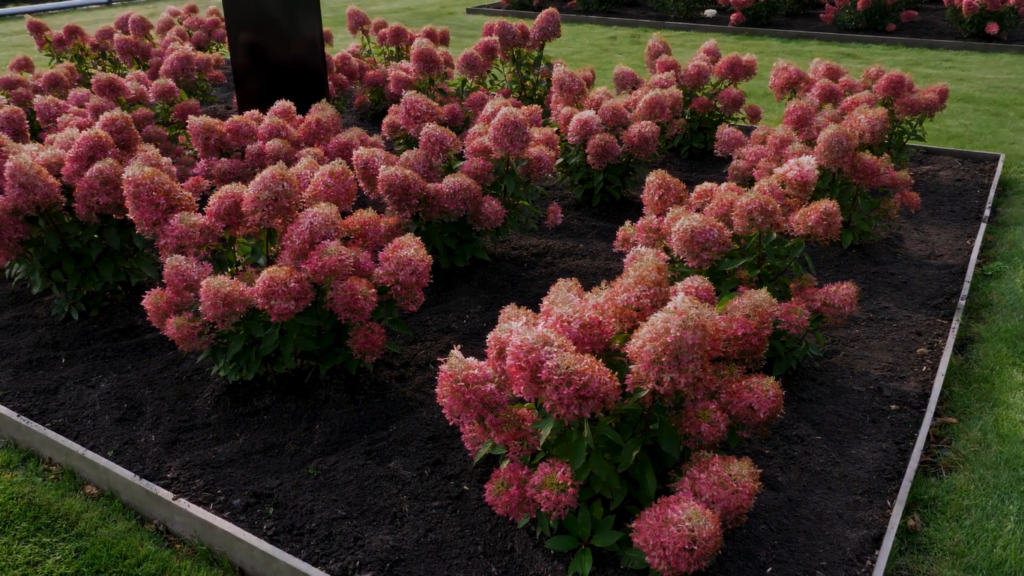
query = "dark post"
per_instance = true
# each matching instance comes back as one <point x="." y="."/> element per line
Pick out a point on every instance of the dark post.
<point x="277" y="52"/>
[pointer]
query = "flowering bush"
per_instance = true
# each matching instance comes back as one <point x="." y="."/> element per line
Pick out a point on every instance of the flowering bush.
<point x="388" y="60"/>
<point x="985" y="19"/>
<point x="62" y="225"/>
<point x="271" y="276"/>
<point x="847" y="129"/>
<point x="600" y="405"/>
<point x="460" y="193"/>
<point x="830" y="90"/>
<point x="742" y="240"/>
<point x="187" y="48"/>
<point x="509" y="58"/>
<point x="875" y="15"/>
<point x="752" y="12"/>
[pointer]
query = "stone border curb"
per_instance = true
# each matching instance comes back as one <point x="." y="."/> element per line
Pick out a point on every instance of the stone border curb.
<point x="483" y="10"/>
<point x="182" y="518"/>
<point x="922" y="436"/>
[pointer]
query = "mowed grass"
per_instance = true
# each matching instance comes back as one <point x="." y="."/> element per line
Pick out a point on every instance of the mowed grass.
<point x="972" y="507"/>
<point x="49" y="526"/>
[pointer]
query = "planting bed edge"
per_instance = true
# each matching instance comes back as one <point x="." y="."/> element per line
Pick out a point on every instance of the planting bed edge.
<point x="482" y="10"/>
<point x="922" y="436"/>
<point x="181" y="517"/>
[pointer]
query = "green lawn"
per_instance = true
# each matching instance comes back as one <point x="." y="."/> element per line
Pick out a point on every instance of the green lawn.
<point x="973" y="509"/>
<point x="48" y="525"/>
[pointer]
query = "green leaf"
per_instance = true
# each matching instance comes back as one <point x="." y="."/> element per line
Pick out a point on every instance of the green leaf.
<point x="629" y="452"/>
<point x="545" y="426"/>
<point x="483" y="451"/>
<point x="106" y="268"/>
<point x="847" y="238"/>
<point x="634" y="558"/>
<point x="583" y="522"/>
<point x="648" y="481"/>
<point x="582" y="563"/>
<point x="562" y="543"/>
<point x="112" y="238"/>
<point x="668" y="437"/>
<point x="607" y="539"/>
<point x="579" y="453"/>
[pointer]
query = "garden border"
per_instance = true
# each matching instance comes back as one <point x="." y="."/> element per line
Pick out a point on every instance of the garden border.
<point x="483" y="10"/>
<point x="182" y="518"/>
<point x="922" y="436"/>
<point x="259" y="557"/>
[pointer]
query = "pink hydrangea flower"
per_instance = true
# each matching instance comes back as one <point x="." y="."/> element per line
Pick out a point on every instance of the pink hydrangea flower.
<point x="404" y="268"/>
<point x="508" y="492"/>
<point x="224" y="300"/>
<point x="367" y="341"/>
<point x="697" y="239"/>
<point x="29" y="188"/>
<point x="677" y="534"/>
<point x="820" y="220"/>
<point x="661" y="192"/>
<point x="753" y="402"/>
<point x="272" y="198"/>
<point x="282" y="292"/>
<point x="553" y="488"/>
<point x="725" y="484"/>
<point x="547" y="27"/>
<point x="509" y="133"/>
<point x="554" y="216"/>
<point x="352" y="300"/>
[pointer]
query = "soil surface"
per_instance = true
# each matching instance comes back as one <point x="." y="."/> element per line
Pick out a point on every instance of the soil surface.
<point x="930" y="23"/>
<point x="363" y="475"/>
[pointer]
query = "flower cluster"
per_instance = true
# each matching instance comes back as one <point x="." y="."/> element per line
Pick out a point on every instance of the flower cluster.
<point x="850" y="131"/>
<point x="184" y="46"/>
<point x="276" y="273"/>
<point x="723" y="232"/>
<point x="640" y="362"/>
<point x="875" y="15"/>
<point x="984" y="19"/>
<point x="62" y="210"/>
<point x="387" y="60"/>
<point x="234" y="150"/>
<point x="752" y="12"/>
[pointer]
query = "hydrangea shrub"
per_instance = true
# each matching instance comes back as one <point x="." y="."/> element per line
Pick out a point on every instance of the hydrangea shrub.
<point x="750" y="239"/>
<point x="62" y="219"/>
<point x="275" y="275"/>
<point x="601" y="407"/>
<point x="855" y="133"/>
<point x="985" y="19"/>
<point x="877" y="15"/>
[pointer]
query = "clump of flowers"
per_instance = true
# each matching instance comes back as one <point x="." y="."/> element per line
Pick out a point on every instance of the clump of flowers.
<point x="986" y="19"/>
<point x="851" y="131"/>
<point x="752" y="12"/>
<point x="185" y="47"/>
<point x="597" y="400"/>
<point x="278" y="274"/>
<point x="235" y="150"/>
<point x="460" y="193"/>
<point x="509" y="58"/>
<point x="689" y="102"/>
<point x="876" y="15"/>
<point x="62" y="225"/>
<point x="748" y="246"/>
<point x="388" y="60"/>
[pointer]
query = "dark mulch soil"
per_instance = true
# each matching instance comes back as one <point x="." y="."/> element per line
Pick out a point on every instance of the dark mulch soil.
<point x="363" y="475"/>
<point x="930" y="24"/>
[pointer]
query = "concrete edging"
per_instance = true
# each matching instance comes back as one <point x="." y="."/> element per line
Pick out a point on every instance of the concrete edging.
<point x="181" y="517"/>
<point x="922" y="436"/>
<point x="483" y="10"/>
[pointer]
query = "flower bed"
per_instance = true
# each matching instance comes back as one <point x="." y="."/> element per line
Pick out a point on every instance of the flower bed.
<point x="291" y="244"/>
<point x="930" y="23"/>
<point x="365" y="470"/>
